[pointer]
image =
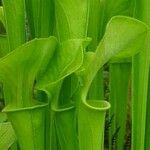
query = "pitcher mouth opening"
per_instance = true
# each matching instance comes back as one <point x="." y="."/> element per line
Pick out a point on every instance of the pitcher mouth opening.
<point x="63" y="108"/>
<point x="99" y="105"/>
<point x="38" y="105"/>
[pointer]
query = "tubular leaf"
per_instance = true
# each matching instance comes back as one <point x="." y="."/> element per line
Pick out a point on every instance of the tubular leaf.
<point x="26" y="114"/>
<point x="64" y="62"/>
<point x="23" y="65"/>
<point x="138" y="33"/>
<point x="113" y="44"/>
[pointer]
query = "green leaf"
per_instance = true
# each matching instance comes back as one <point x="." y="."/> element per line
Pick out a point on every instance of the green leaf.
<point x="121" y="36"/>
<point x="3" y="117"/>
<point x="7" y="135"/>
<point x="91" y="120"/>
<point x="4" y="49"/>
<point x="2" y="21"/>
<point x="67" y="59"/>
<point x="65" y="123"/>
<point x="140" y="75"/>
<point x="69" y="24"/>
<point x="14" y="12"/>
<point x="14" y="146"/>
<point x="94" y="24"/>
<point x="23" y="65"/>
<point x="141" y="113"/>
<point x="94" y="30"/>
<point x="119" y="95"/>
<point x="119" y="7"/>
<point x="40" y="16"/>
<point x="147" y="131"/>
<point x="29" y="126"/>
<point x="2" y="15"/>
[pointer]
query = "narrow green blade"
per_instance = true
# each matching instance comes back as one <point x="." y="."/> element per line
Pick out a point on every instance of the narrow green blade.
<point x="139" y="101"/>
<point x="40" y="16"/>
<point x="140" y="74"/>
<point x="14" y="12"/>
<point x="147" y="127"/>
<point x="119" y="87"/>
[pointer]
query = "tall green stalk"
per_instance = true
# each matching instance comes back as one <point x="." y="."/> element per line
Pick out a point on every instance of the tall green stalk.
<point x="119" y="87"/>
<point x="144" y="7"/>
<point x="40" y="17"/>
<point x="147" y="128"/>
<point x="14" y="12"/>
<point x="140" y="87"/>
<point x="141" y="106"/>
